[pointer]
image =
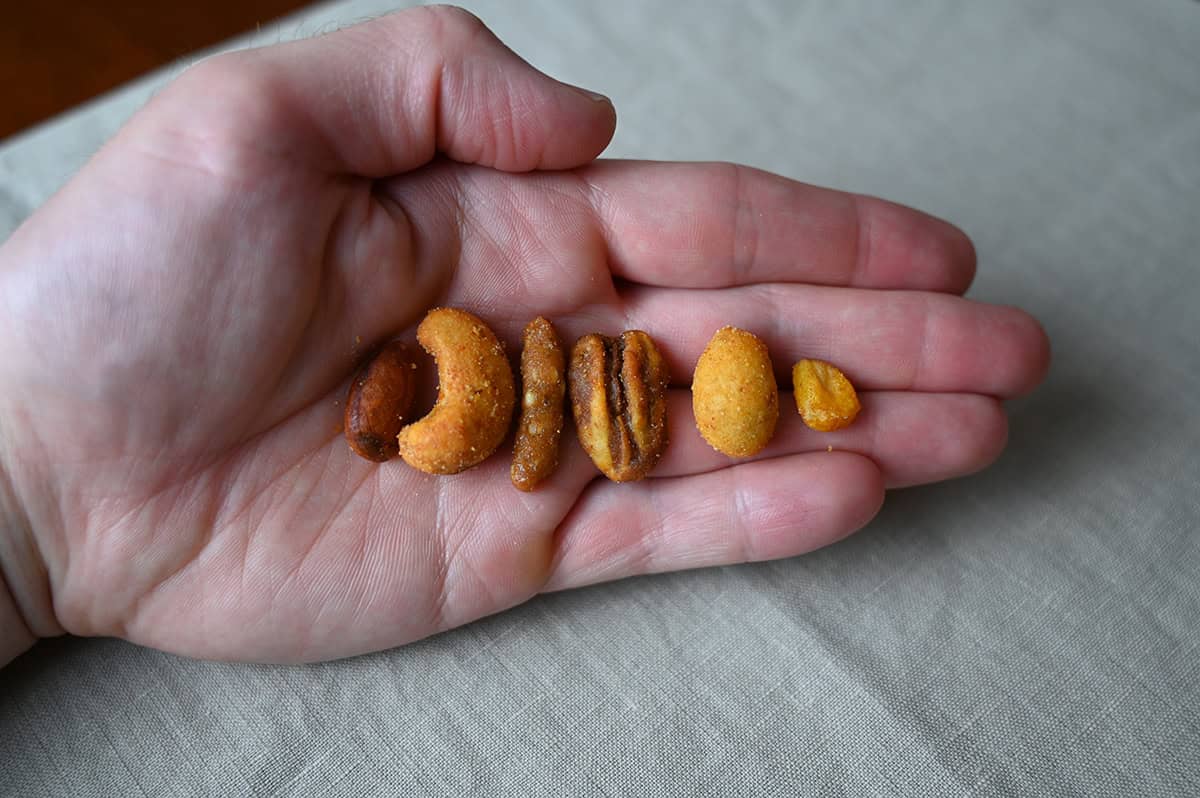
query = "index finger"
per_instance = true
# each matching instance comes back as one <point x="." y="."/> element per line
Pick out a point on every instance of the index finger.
<point x="718" y="225"/>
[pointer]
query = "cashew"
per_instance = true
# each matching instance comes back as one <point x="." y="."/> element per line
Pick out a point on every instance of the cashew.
<point x="475" y="395"/>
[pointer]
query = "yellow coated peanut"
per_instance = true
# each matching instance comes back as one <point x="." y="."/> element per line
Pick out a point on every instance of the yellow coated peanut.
<point x="734" y="398"/>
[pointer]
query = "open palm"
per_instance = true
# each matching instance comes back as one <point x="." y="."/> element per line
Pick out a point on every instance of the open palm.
<point x="180" y="324"/>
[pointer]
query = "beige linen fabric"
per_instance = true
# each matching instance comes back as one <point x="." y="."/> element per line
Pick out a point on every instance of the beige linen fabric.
<point x="1033" y="630"/>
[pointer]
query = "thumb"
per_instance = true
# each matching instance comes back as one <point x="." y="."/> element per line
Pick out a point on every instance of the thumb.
<point x="384" y="97"/>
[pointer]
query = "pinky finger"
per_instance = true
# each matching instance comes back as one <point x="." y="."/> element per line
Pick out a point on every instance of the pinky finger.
<point x="761" y="510"/>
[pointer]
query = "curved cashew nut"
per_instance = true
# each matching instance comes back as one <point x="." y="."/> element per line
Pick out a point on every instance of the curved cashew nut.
<point x="475" y="395"/>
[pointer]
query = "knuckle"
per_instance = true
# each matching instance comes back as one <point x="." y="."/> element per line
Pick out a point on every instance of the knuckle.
<point x="229" y="79"/>
<point x="450" y="24"/>
<point x="218" y="117"/>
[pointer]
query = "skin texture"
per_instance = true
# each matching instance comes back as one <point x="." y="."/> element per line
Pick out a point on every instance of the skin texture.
<point x="475" y="396"/>
<point x="275" y="213"/>
<point x="734" y="398"/>
<point x="543" y="388"/>
<point x="380" y="397"/>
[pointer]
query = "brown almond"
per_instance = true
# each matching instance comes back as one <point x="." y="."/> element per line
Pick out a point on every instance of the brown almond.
<point x="381" y="395"/>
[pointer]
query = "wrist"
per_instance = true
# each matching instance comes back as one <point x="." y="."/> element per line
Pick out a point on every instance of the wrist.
<point x="26" y="609"/>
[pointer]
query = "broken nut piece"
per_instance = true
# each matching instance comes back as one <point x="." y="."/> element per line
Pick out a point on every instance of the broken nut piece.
<point x="825" y="398"/>
<point x="543" y="385"/>
<point x="619" y="401"/>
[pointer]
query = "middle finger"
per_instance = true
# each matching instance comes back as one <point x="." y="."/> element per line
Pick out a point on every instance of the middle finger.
<point x="882" y="340"/>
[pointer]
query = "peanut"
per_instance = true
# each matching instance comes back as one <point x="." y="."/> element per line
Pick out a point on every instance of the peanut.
<point x="535" y="453"/>
<point x="619" y="401"/>
<point x="381" y="394"/>
<point x="825" y="398"/>
<point x="475" y="395"/>
<point x="734" y="398"/>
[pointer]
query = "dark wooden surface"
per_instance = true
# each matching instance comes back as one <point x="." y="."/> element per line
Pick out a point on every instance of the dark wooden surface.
<point x="57" y="53"/>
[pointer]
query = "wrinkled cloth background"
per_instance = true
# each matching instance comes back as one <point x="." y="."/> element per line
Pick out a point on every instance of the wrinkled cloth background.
<point x="1032" y="630"/>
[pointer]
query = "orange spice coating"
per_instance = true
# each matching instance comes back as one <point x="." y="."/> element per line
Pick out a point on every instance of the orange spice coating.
<point x="734" y="398"/>
<point x="475" y="399"/>
<point x="825" y="398"/>
<point x="543" y="386"/>
<point x="380" y="396"/>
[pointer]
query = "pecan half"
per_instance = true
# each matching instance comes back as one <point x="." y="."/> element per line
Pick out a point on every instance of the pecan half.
<point x="619" y="401"/>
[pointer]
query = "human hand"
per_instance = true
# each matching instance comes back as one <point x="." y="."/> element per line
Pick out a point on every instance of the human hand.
<point x="178" y="326"/>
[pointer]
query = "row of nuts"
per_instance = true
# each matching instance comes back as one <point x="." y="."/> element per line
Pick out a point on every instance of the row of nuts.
<point x="618" y="395"/>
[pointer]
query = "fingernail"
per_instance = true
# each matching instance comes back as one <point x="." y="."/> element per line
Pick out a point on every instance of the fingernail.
<point x="591" y="95"/>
